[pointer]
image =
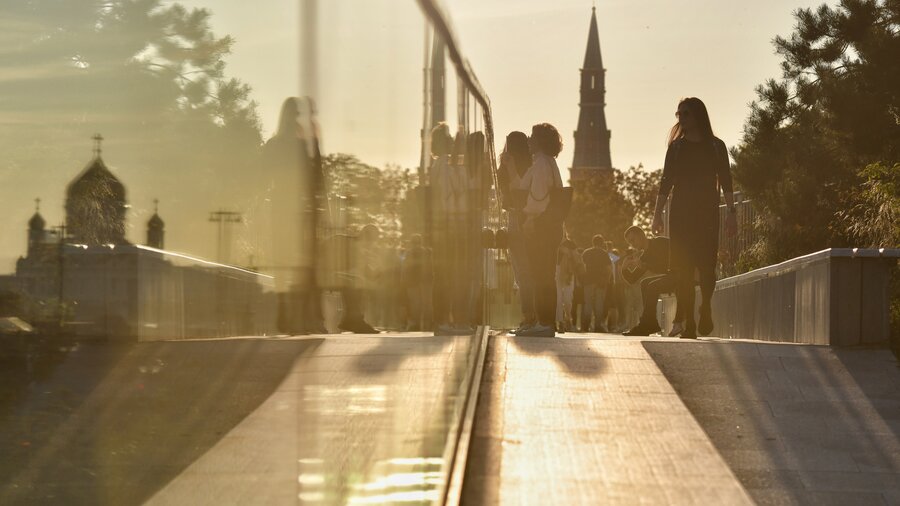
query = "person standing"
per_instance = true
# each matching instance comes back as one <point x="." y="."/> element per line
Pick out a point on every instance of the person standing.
<point x="696" y="169"/>
<point x="566" y="267"/>
<point x="597" y="277"/>
<point x="448" y="187"/>
<point x="514" y="163"/>
<point x="544" y="231"/>
<point x="418" y="275"/>
<point x="294" y="185"/>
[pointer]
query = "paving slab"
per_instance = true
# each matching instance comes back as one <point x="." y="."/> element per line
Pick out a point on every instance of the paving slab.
<point x="588" y="421"/>
<point x="817" y="426"/>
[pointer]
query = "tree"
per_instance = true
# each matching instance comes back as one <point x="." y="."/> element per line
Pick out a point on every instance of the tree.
<point x="368" y="195"/>
<point x="149" y="75"/>
<point x="835" y="110"/>
<point x="599" y="207"/>
<point x="640" y="187"/>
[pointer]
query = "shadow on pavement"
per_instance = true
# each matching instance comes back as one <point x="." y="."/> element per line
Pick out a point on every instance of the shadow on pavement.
<point x="796" y="424"/>
<point x="111" y="424"/>
<point x="577" y="356"/>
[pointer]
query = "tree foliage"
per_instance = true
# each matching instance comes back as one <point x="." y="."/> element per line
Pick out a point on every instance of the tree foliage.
<point x="361" y="194"/>
<point x="835" y="110"/>
<point x="610" y="203"/>
<point x="150" y="75"/>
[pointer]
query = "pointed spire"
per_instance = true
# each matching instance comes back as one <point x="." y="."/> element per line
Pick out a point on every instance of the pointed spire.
<point x="592" y="58"/>
<point x="37" y="205"/>
<point x="155" y="206"/>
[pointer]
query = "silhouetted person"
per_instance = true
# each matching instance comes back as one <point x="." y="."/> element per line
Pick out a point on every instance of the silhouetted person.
<point x="597" y="277"/>
<point x="418" y="277"/>
<point x="363" y="274"/>
<point x="448" y="183"/>
<point x="294" y="182"/>
<point x="544" y="231"/>
<point x="696" y="169"/>
<point x="650" y="268"/>
<point x="514" y="163"/>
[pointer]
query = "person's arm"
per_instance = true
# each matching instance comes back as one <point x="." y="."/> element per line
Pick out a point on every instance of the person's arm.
<point x="665" y="187"/>
<point x="539" y="189"/>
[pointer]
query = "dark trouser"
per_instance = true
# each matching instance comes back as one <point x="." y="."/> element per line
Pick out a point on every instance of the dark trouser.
<point x="452" y="284"/>
<point x="354" y="306"/>
<point x="419" y="297"/>
<point x="693" y="250"/>
<point x="651" y="288"/>
<point x="542" y="247"/>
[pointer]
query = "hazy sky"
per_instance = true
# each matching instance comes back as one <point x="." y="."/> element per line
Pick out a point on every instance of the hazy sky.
<point x="527" y="54"/>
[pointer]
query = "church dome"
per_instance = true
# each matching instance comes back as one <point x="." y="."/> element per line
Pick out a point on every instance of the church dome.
<point x="96" y="206"/>
<point x="36" y="222"/>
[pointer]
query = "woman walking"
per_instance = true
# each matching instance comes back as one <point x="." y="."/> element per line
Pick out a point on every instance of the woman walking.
<point x="514" y="163"/>
<point x="696" y="169"/>
<point x="543" y="230"/>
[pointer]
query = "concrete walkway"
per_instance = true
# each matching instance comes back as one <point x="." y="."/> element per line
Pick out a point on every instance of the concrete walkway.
<point x="588" y="421"/>
<point x="360" y="420"/>
<point x="798" y="424"/>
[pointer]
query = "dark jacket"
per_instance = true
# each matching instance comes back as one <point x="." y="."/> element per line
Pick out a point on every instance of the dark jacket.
<point x="654" y="260"/>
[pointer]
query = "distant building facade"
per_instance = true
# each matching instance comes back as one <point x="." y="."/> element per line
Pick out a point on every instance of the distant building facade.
<point x="592" y="137"/>
<point x="85" y="279"/>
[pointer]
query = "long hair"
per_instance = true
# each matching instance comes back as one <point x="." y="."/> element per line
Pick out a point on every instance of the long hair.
<point x="701" y="116"/>
<point x="288" y="121"/>
<point x="547" y="139"/>
<point x="517" y="147"/>
<point x="458" y="156"/>
<point x="441" y="140"/>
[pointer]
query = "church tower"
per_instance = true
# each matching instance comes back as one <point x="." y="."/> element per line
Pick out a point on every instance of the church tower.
<point x="156" y="229"/>
<point x="36" y="228"/>
<point x="95" y="204"/>
<point x="592" y="136"/>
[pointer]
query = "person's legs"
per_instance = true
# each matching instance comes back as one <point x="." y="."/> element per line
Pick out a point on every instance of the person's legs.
<point x="560" y="301"/>
<point x="542" y="257"/>
<point x="587" y="309"/>
<point x="599" y="308"/>
<point x="651" y="288"/>
<point x="707" y="274"/>
<point x="415" y="302"/>
<point x="567" y="295"/>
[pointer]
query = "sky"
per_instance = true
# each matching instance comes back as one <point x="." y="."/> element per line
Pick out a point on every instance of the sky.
<point x="527" y="55"/>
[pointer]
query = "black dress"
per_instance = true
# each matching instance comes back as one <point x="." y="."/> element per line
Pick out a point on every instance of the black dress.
<point x="695" y="173"/>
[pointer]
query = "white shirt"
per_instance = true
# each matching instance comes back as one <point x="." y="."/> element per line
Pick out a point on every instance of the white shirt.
<point x="448" y="186"/>
<point x="541" y="177"/>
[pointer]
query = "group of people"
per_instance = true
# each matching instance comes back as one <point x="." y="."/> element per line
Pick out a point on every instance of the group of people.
<point x="616" y="292"/>
<point x="441" y="276"/>
<point x="592" y="293"/>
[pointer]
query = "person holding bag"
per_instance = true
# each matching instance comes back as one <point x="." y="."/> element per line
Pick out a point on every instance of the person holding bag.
<point x="545" y="210"/>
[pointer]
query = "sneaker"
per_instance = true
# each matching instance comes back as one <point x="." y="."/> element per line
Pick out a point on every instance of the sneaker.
<point x="538" y="331"/>
<point x="643" y="330"/>
<point x="358" y="327"/>
<point x="522" y="327"/>
<point x="705" y="326"/>
<point x="677" y="328"/>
